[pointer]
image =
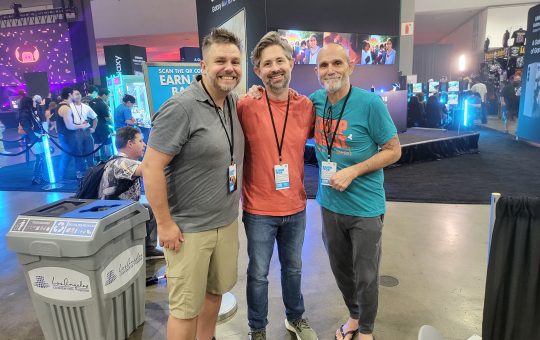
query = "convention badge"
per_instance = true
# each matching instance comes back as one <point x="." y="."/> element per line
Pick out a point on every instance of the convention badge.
<point x="328" y="169"/>
<point x="232" y="178"/>
<point x="281" y="175"/>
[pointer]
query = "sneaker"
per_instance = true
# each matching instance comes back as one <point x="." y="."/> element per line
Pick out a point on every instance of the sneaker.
<point x="154" y="254"/>
<point x="301" y="329"/>
<point x="257" y="334"/>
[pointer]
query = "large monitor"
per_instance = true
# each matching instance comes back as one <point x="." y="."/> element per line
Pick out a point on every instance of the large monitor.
<point x="433" y="86"/>
<point x="363" y="49"/>
<point x="453" y="86"/>
<point x="40" y="48"/>
<point x="453" y="98"/>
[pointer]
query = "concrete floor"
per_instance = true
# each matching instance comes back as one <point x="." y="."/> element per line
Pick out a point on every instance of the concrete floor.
<point x="436" y="251"/>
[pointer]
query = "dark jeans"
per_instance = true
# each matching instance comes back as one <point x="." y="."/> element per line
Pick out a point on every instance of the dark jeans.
<point x="262" y="233"/>
<point x="67" y="142"/>
<point x="84" y="144"/>
<point x="354" y="249"/>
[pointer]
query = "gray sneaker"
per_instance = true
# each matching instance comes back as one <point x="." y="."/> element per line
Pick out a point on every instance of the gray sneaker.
<point x="257" y="334"/>
<point x="301" y="329"/>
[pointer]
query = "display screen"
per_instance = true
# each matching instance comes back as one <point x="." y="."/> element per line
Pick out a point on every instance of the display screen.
<point x="363" y="49"/>
<point x="433" y="86"/>
<point x="417" y="87"/>
<point x="39" y="48"/>
<point x="452" y="99"/>
<point x="453" y="86"/>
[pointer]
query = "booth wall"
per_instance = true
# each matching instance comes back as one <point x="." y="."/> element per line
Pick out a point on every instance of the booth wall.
<point x="500" y="19"/>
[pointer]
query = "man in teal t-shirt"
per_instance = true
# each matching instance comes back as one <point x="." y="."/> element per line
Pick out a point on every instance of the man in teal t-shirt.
<point x="355" y="139"/>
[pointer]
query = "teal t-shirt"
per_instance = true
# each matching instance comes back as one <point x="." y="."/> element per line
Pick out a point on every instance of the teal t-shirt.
<point x="365" y="126"/>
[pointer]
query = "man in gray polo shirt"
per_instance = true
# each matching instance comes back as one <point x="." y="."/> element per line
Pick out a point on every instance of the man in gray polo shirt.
<point x="192" y="173"/>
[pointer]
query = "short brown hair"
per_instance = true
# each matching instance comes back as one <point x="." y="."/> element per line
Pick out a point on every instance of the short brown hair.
<point x="124" y="135"/>
<point x="270" y="39"/>
<point x="220" y="36"/>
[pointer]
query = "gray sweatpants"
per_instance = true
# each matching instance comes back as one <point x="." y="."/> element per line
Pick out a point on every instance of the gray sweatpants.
<point x="354" y="249"/>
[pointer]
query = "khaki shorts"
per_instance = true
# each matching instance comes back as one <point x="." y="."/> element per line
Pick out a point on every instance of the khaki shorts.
<point x="206" y="262"/>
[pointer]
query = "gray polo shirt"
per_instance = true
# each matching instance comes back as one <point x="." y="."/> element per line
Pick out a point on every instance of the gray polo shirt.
<point x="188" y="127"/>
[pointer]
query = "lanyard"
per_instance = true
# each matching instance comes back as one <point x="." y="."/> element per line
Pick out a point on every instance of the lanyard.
<point x="231" y="138"/>
<point x="327" y="123"/>
<point x="279" y="145"/>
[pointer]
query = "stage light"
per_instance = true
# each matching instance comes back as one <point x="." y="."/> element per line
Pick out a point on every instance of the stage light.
<point x="462" y="63"/>
<point x="465" y="112"/>
<point x="16" y="10"/>
<point x="48" y="159"/>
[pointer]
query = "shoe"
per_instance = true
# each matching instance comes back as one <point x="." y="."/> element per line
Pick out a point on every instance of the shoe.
<point x="154" y="254"/>
<point x="353" y="333"/>
<point x="257" y="334"/>
<point x="301" y="329"/>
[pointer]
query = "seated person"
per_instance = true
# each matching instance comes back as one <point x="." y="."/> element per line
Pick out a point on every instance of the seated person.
<point x="131" y="146"/>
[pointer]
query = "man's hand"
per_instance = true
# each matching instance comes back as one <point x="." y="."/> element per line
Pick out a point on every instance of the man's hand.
<point x="343" y="178"/>
<point x="255" y="92"/>
<point x="170" y="235"/>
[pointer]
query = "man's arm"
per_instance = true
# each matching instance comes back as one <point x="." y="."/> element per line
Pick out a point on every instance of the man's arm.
<point x="153" y="166"/>
<point x="65" y="113"/>
<point x="389" y="154"/>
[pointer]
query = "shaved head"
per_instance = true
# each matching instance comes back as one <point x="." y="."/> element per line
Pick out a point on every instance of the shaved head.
<point x="335" y="50"/>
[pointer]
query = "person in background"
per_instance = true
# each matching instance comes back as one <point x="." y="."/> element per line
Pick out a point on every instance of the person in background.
<point x="313" y="50"/>
<point x="122" y="114"/>
<point x="367" y="57"/>
<point x="481" y="89"/>
<point x="31" y="124"/>
<point x="123" y="174"/>
<point x="92" y="94"/>
<point x="82" y="114"/>
<point x="102" y="134"/>
<point x="415" y="112"/>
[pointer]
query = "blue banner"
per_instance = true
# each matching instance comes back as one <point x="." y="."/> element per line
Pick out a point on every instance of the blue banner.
<point x="163" y="80"/>
<point x="529" y="106"/>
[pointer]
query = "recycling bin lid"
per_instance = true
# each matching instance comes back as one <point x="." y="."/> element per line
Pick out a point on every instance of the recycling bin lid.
<point x="79" y="208"/>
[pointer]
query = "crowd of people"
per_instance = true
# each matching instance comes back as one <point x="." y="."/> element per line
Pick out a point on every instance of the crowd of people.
<point x="83" y="125"/>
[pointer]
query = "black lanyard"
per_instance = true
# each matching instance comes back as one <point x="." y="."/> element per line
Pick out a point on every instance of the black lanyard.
<point x="327" y="123"/>
<point x="279" y="146"/>
<point x="231" y="138"/>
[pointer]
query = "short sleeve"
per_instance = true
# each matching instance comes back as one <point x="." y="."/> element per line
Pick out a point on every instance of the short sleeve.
<point x="124" y="168"/>
<point x="127" y="114"/>
<point x="381" y="126"/>
<point x="170" y="128"/>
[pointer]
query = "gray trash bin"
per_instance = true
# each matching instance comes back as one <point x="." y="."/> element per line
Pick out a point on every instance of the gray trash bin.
<point x="84" y="266"/>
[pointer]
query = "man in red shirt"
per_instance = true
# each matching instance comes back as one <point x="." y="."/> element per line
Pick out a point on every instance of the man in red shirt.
<point x="276" y="129"/>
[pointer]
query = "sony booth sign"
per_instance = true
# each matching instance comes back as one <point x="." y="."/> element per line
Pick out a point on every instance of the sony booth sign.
<point x="124" y="59"/>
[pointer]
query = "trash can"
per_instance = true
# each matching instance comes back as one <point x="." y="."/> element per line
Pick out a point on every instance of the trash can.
<point x="84" y="266"/>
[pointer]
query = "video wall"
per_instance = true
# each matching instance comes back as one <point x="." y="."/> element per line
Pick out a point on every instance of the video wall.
<point x="363" y="49"/>
<point x="40" y="48"/>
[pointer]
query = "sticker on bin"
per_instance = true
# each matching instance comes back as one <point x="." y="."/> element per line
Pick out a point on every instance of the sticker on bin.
<point x="84" y="229"/>
<point x="60" y="283"/>
<point x="122" y="269"/>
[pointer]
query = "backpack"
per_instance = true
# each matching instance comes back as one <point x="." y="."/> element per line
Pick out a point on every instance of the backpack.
<point x="89" y="186"/>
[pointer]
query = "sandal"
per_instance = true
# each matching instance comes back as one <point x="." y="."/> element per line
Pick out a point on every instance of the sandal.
<point x="352" y="333"/>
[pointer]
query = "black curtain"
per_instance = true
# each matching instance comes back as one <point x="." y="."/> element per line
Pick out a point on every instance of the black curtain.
<point x="512" y="298"/>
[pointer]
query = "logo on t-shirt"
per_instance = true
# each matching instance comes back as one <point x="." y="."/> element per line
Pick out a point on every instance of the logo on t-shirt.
<point x="340" y="145"/>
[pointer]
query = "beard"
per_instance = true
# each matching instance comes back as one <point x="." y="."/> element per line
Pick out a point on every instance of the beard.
<point x="333" y="85"/>
<point x="277" y="86"/>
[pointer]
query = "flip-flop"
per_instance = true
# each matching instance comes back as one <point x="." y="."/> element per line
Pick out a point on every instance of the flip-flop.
<point x="345" y="334"/>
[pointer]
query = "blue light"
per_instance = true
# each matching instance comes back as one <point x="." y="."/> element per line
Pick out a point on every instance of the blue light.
<point x="465" y="112"/>
<point x="382" y="90"/>
<point x="48" y="159"/>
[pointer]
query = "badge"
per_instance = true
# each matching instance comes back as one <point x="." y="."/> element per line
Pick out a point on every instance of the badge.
<point x="328" y="169"/>
<point x="232" y="178"/>
<point x="281" y="175"/>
